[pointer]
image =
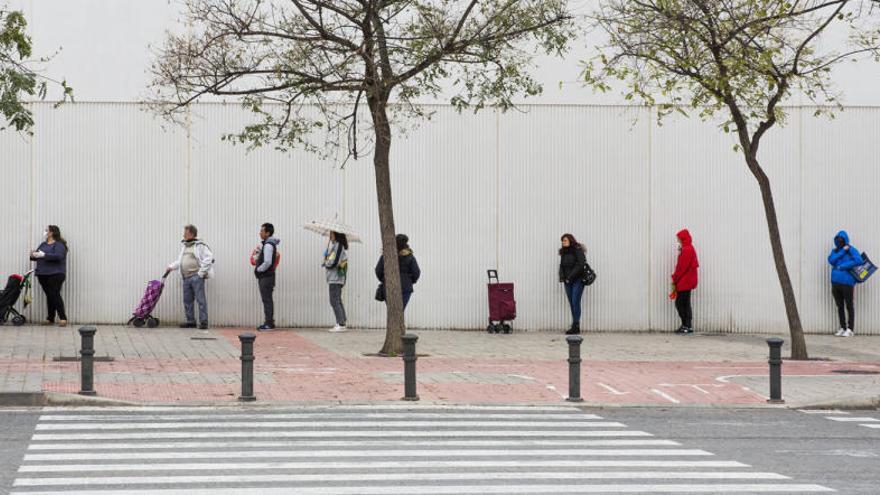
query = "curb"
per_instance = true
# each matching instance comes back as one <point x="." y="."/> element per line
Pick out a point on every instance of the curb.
<point x="57" y="399"/>
<point x="854" y="403"/>
<point x="40" y="399"/>
<point x="22" y="399"/>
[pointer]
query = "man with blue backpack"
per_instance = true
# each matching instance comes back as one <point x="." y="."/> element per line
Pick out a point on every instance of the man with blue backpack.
<point x="843" y="259"/>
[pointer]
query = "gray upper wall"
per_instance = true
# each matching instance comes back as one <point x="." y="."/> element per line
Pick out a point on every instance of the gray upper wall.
<point x="105" y="52"/>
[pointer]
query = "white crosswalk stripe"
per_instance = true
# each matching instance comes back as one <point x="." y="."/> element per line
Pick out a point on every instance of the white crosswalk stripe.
<point x="380" y="449"/>
<point x="844" y="417"/>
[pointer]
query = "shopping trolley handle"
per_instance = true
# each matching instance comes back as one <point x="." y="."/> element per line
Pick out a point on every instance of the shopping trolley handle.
<point x="492" y="274"/>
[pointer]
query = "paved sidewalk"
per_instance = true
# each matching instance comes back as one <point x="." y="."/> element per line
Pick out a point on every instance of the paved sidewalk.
<point x="183" y="366"/>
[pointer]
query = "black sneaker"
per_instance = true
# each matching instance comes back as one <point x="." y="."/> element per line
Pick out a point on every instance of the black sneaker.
<point x="682" y="330"/>
<point x="265" y="327"/>
<point x="203" y="325"/>
<point x="187" y="325"/>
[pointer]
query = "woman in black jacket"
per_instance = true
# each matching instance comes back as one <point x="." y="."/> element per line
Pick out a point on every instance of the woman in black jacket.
<point x="572" y="260"/>
<point x="409" y="268"/>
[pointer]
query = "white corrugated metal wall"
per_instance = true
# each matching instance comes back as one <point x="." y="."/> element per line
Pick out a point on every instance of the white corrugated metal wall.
<point x="472" y="191"/>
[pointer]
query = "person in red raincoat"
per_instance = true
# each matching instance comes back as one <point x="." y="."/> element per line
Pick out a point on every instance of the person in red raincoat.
<point x="684" y="281"/>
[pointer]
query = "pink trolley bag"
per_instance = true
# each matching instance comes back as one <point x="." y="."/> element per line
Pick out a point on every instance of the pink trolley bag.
<point x="142" y="315"/>
<point x="502" y="305"/>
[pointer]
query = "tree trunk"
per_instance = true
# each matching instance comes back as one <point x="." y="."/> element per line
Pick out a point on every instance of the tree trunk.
<point x="798" y="343"/>
<point x="381" y="163"/>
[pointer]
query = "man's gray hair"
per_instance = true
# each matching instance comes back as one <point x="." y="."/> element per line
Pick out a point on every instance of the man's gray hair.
<point x="191" y="229"/>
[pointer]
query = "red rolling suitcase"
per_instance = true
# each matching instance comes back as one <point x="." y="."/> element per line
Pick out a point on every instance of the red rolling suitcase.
<point x="502" y="305"/>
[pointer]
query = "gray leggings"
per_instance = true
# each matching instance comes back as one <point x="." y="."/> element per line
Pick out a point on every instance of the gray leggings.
<point x="336" y="303"/>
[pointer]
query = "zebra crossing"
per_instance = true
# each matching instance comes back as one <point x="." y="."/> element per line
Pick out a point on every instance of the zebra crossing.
<point x="872" y="422"/>
<point x="376" y="449"/>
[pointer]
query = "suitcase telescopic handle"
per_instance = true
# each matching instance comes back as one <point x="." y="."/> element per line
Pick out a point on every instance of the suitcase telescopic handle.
<point x="492" y="274"/>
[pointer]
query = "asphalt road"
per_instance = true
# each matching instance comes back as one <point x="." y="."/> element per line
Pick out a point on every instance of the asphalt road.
<point x="441" y="450"/>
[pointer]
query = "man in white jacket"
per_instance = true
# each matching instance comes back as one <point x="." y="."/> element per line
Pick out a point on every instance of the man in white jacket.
<point x="195" y="263"/>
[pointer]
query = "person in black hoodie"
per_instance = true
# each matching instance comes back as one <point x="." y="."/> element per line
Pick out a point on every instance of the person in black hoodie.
<point x="409" y="268"/>
<point x="572" y="260"/>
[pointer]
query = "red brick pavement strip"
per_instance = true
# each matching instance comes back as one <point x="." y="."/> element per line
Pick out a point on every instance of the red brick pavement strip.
<point x="292" y="368"/>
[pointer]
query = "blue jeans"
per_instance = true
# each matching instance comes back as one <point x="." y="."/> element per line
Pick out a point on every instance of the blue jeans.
<point x="406" y="296"/>
<point x="575" y="291"/>
<point x="194" y="291"/>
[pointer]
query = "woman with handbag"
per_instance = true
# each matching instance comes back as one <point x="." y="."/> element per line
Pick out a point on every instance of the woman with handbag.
<point x="572" y="269"/>
<point x="409" y="270"/>
<point x="844" y="258"/>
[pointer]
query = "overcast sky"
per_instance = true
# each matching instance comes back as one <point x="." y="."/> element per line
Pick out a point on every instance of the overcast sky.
<point x="105" y="52"/>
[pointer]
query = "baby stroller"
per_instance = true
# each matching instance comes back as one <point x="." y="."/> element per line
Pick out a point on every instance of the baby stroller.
<point x="142" y="315"/>
<point x="15" y="285"/>
<point x="502" y="305"/>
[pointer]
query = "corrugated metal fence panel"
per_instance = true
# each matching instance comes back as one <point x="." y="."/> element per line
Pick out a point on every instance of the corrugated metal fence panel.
<point x="110" y="177"/>
<point x="841" y="177"/>
<point x="444" y="176"/>
<point x="15" y="204"/>
<point x="234" y="192"/>
<point x="564" y="169"/>
<point x="700" y="183"/>
<point x="473" y="192"/>
<point x="443" y="179"/>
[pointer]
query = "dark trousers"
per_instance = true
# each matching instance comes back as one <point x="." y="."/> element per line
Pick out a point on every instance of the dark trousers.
<point x="843" y="297"/>
<point x="683" y="305"/>
<point x="336" y="304"/>
<point x="51" y="285"/>
<point x="267" y="286"/>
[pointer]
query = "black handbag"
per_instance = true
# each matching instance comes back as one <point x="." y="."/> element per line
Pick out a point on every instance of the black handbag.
<point x="589" y="275"/>
<point x="380" y="293"/>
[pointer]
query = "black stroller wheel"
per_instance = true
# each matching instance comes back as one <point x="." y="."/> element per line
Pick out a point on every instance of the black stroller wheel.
<point x="152" y="322"/>
<point x="138" y="322"/>
<point x="505" y="328"/>
<point x="18" y="320"/>
<point x="490" y="328"/>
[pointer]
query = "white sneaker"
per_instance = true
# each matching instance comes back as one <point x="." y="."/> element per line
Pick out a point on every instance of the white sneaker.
<point x="840" y="332"/>
<point x="338" y="329"/>
<point x="847" y="333"/>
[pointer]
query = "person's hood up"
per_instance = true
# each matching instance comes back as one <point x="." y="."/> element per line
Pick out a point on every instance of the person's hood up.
<point x="842" y="234"/>
<point x="273" y="241"/>
<point x="685" y="236"/>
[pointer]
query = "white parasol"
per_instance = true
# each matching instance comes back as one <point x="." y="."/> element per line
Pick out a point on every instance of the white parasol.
<point x="324" y="227"/>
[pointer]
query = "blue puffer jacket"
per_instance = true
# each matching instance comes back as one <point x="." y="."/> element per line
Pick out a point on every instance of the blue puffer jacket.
<point x="842" y="260"/>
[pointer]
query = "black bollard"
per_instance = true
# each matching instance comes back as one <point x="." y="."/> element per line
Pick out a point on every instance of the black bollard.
<point x="87" y="361"/>
<point x="775" y="370"/>
<point x="574" y="368"/>
<point x="409" y="366"/>
<point x="247" y="367"/>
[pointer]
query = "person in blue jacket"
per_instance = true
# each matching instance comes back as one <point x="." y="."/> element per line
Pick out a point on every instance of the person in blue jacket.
<point x="844" y="257"/>
<point x="51" y="270"/>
